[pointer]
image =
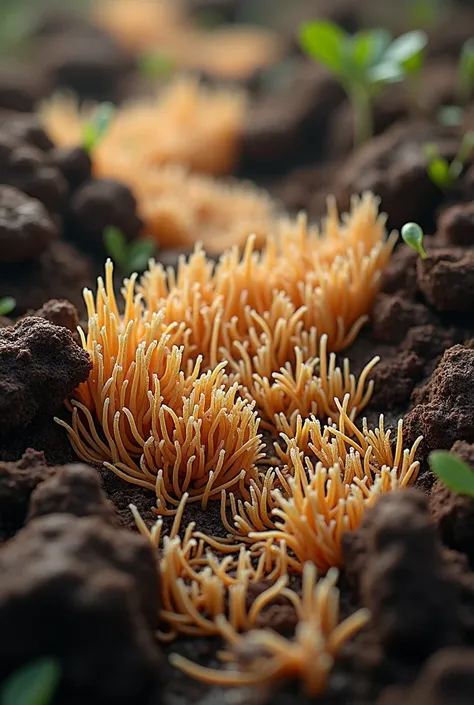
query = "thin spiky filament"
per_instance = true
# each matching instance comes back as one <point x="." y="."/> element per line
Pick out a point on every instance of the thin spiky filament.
<point x="262" y="656"/>
<point x="197" y="587"/>
<point x="329" y="295"/>
<point x="322" y="491"/>
<point x="300" y="389"/>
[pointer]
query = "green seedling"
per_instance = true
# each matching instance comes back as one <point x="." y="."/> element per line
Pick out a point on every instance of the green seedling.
<point x="33" y="684"/>
<point x="453" y="472"/>
<point x="7" y="304"/>
<point x="94" y="130"/>
<point x="412" y="235"/>
<point x="129" y="257"/>
<point x="154" y="66"/>
<point x="364" y="63"/>
<point x="442" y="173"/>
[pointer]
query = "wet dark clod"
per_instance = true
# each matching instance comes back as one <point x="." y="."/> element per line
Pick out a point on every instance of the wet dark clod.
<point x="60" y="272"/>
<point x="393" y="316"/>
<point x="394" y="380"/>
<point x="446" y="413"/>
<point x="88" y="62"/>
<point x="454" y="513"/>
<point x="400" y="274"/>
<point x="446" y="279"/>
<point x="405" y="584"/>
<point x="447" y="678"/>
<point x="394" y="166"/>
<point x="17" y="482"/>
<point x="26" y="128"/>
<point x="73" y="489"/>
<point x="456" y="225"/>
<point x="26" y="168"/>
<point x="20" y="88"/>
<point x="74" y="163"/>
<point x="98" y="204"/>
<point x="279" y="126"/>
<point x="87" y="593"/>
<point x="61" y="313"/>
<point x="26" y="228"/>
<point x="40" y="365"/>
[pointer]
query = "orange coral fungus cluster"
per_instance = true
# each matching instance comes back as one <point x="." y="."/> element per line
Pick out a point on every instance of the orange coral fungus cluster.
<point x="166" y="150"/>
<point x="234" y="53"/>
<point x="187" y="124"/>
<point x="182" y="381"/>
<point x="262" y="656"/>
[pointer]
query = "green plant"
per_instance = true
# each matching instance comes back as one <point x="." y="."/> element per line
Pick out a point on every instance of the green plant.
<point x="94" y="130"/>
<point x="33" y="684"/>
<point x="441" y="172"/>
<point x="7" y="304"/>
<point x="452" y="472"/>
<point x="412" y="235"/>
<point x="425" y="13"/>
<point x="153" y="65"/>
<point x="364" y="63"/>
<point x="129" y="257"/>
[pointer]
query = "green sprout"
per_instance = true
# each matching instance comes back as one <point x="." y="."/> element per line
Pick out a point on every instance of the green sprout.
<point x="453" y="472"/>
<point x="7" y="304"/>
<point x="441" y="172"/>
<point x="364" y="63"/>
<point x="425" y="13"/>
<point x="153" y="65"/>
<point x="129" y="257"/>
<point x="412" y="235"/>
<point x="94" y="130"/>
<point x="33" y="684"/>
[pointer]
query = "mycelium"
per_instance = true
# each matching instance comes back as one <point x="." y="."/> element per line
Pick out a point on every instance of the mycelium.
<point x="174" y="402"/>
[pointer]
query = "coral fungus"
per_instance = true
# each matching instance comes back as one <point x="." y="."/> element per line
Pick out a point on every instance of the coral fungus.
<point x="228" y="52"/>
<point x="309" y="505"/>
<point x="309" y="655"/>
<point x="187" y="124"/>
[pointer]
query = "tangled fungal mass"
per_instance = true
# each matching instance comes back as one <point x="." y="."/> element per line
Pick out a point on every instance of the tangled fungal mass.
<point x="220" y="385"/>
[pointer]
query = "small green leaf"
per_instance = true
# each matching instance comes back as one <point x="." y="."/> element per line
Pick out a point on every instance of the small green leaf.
<point x="450" y="115"/>
<point x="34" y="684"/>
<point x="386" y="72"/>
<point x="412" y="235"/>
<point x="139" y="254"/>
<point x="405" y="49"/>
<point x="424" y="13"/>
<point x="7" y="304"/>
<point x="116" y="246"/>
<point x="452" y="472"/>
<point x="438" y="171"/>
<point x="323" y="41"/>
<point x="95" y="129"/>
<point x="152" y="65"/>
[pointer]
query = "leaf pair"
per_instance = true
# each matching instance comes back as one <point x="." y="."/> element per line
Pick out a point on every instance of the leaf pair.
<point x="453" y="472"/>
<point x="369" y="58"/>
<point x="129" y="257"/>
<point x="34" y="684"/>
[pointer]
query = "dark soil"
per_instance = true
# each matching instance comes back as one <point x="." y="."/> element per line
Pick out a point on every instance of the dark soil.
<point x="77" y="579"/>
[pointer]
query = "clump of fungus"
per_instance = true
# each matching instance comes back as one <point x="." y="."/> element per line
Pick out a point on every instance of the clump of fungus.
<point x="329" y="479"/>
<point x="232" y="53"/>
<point x="262" y="656"/>
<point x="179" y="382"/>
<point x="187" y="124"/>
